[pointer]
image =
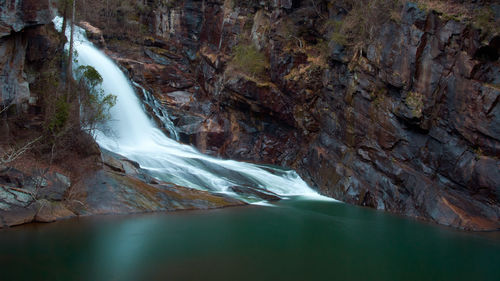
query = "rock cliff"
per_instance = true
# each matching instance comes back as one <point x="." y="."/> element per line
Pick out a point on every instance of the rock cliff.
<point x="15" y="18"/>
<point x="405" y="120"/>
<point x="394" y="108"/>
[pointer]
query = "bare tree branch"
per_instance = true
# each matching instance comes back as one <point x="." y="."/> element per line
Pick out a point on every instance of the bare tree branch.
<point x="316" y="9"/>
<point x="13" y="153"/>
<point x="6" y="107"/>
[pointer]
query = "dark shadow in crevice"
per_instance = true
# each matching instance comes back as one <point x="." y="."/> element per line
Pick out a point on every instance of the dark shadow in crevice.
<point x="490" y="52"/>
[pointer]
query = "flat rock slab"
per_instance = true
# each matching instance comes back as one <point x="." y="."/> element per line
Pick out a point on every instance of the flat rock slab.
<point x="255" y="192"/>
<point x="120" y="186"/>
<point x="110" y="192"/>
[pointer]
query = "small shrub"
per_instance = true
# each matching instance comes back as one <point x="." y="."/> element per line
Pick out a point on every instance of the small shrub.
<point x="484" y="17"/>
<point x="395" y="16"/>
<point x="243" y="3"/>
<point x="248" y="24"/>
<point x="336" y="34"/>
<point x="323" y="49"/>
<point x="338" y="38"/>
<point x="60" y="117"/>
<point x="89" y="75"/>
<point x="365" y="17"/>
<point x="95" y="105"/>
<point x="248" y="59"/>
<point x="291" y="33"/>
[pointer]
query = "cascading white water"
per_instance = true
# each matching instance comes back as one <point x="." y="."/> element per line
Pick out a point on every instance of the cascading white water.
<point x="159" y="111"/>
<point x="137" y="138"/>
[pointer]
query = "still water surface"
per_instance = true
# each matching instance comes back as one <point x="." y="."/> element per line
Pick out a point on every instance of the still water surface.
<point x="298" y="239"/>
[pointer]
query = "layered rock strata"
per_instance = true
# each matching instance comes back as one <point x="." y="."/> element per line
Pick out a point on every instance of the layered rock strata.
<point x="409" y="123"/>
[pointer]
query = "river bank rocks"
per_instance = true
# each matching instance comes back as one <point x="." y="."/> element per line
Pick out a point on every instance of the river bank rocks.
<point x="407" y="123"/>
<point x="118" y="186"/>
<point x="121" y="187"/>
<point x="37" y="197"/>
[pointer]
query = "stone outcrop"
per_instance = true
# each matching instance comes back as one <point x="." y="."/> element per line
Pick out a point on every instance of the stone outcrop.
<point x="14" y="87"/>
<point x="119" y="186"/>
<point x="18" y="14"/>
<point x="16" y="17"/>
<point x="407" y="124"/>
<point x="32" y="197"/>
<point x="414" y="129"/>
<point x="122" y="187"/>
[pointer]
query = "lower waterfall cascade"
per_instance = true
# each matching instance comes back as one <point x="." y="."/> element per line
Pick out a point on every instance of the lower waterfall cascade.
<point x="136" y="137"/>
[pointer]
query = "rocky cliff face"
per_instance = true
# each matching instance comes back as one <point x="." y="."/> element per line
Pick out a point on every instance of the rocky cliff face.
<point x="415" y="126"/>
<point x="16" y="18"/>
<point x="407" y="123"/>
<point x="18" y="14"/>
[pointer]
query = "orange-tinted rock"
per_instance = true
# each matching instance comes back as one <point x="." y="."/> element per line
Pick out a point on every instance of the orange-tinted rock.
<point x="51" y="211"/>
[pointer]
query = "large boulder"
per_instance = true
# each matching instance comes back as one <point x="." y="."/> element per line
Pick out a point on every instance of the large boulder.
<point x="36" y="196"/>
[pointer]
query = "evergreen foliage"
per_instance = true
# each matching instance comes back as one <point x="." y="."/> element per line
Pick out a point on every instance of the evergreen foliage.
<point x="95" y="104"/>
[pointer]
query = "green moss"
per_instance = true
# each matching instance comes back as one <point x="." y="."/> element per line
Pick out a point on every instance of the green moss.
<point x="478" y="152"/>
<point x="415" y="101"/>
<point x="379" y="100"/>
<point x="336" y="35"/>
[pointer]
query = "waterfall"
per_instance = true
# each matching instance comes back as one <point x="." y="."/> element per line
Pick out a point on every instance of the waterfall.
<point x="159" y="111"/>
<point x="137" y="138"/>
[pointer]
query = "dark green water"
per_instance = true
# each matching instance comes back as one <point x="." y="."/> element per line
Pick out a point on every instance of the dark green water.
<point x="299" y="240"/>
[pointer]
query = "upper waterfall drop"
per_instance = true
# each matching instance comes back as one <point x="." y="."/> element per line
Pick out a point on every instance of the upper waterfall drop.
<point x="137" y="138"/>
